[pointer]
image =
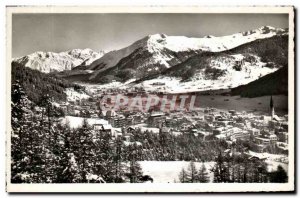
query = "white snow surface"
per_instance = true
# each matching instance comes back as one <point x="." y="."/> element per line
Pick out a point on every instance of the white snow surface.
<point x="200" y="82"/>
<point x="73" y="95"/>
<point x="168" y="171"/>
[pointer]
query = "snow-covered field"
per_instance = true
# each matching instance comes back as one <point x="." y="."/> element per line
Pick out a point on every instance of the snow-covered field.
<point x="94" y="88"/>
<point x="76" y="122"/>
<point x="168" y="171"/>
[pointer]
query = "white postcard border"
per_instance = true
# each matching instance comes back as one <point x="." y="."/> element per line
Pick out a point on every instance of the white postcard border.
<point x="160" y="187"/>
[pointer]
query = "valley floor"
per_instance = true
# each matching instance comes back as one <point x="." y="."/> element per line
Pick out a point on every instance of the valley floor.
<point x="257" y="104"/>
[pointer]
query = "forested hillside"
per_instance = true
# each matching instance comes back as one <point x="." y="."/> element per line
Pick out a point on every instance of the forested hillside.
<point x="271" y="84"/>
<point x="37" y="84"/>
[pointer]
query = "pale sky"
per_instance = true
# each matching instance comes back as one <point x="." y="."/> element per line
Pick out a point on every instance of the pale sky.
<point x="62" y="32"/>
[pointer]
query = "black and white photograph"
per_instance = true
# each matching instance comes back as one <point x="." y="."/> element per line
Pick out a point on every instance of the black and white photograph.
<point x="150" y="99"/>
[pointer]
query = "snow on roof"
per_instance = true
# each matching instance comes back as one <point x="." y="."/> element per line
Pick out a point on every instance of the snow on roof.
<point x="176" y="133"/>
<point x="221" y="136"/>
<point x="156" y="114"/>
<point x="126" y="143"/>
<point x="118" y="130"/>
<point x="107" y="126"/>
<point x="275" y="117"/>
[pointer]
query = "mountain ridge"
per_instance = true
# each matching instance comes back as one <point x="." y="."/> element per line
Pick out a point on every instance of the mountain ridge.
<point x="48" y="62"/>
<point x="160" y="52"/>
<point x="209" y="59"/>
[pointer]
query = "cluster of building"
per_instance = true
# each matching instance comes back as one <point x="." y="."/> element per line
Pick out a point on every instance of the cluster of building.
<point x="261" y="130"/>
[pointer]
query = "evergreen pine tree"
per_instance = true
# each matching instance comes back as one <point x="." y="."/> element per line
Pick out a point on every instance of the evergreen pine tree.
<point x="70" y="172"/>
<point x="183" y="176"/>
<point x="279" y="176"/>
<point x="192" y="173"/>
<point x="21" y="150"/>
<point x="202" y="176"/>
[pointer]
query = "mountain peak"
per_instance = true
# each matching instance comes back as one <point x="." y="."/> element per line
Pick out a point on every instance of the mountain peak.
<point x="209" y="36"/>
<point x="267" y="27"/>
<point x="157" y="36"/>
<point x="264" y="30"/>
<point x="51" y="61"/>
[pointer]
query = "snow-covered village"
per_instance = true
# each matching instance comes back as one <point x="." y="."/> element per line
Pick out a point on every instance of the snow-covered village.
<point x="162" y="109"/>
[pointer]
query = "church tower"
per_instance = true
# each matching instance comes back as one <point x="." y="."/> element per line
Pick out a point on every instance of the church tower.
<point x="272" y="111"/>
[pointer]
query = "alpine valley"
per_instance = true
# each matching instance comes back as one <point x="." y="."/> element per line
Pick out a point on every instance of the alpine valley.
<point x="63" y="130"/>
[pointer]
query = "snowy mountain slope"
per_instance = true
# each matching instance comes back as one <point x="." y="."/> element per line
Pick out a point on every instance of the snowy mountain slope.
<point x="49" y="61"/>
<point x="210" y="43"/>
<point x="271" y="51"/>
<point x="222" y="70"/>
<point x="156" y="53"/>
<point x="141" y="63"/>
<point x="220" y="75"/>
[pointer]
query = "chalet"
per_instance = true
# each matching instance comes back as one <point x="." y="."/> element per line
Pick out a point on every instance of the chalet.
<point x="98" y="127"/>
<point x="168" y="122"/>
<point x="118" y="121"/>
<point x="156" y="119"/>
<point x="221" y="136"/>
<point x="130" y="129"/>
<point x="64" y="108"/>
<point x="102" y="129"/>
<point x="218" y="117"/>
<point x="209" y="110"/>
<point x="255" y="132"/>
<point x="238" y="133"/>
<point x="165" y="130"/>
<point x="137" y="119"/>
<point x="217" y="131"/>
<point x="128" y="137"/>
<point x="273" y="139"/>
<point x="262" y="141"/>
<point x="129" y="120"/>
